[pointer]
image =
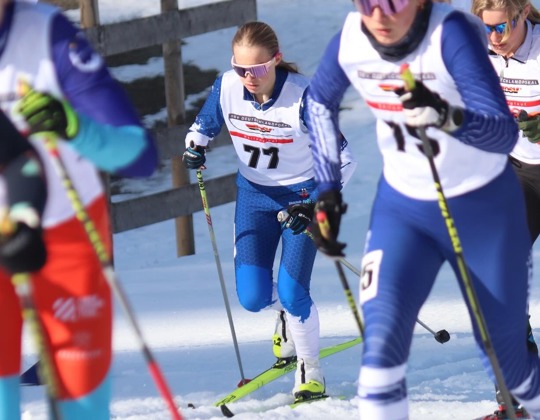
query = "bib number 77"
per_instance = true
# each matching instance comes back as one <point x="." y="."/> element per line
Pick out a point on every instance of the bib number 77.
<point x="256" y="154"/>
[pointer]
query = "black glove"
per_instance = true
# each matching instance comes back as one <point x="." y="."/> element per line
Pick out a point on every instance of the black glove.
<point x="43" y="112"/>
<point x="424" y="108"/>
<point x="530" y="126"/>
<point x="328" y="211"/>
<point x="23" y="250"/>
<point x="194" y="157"/>
<point x="300" y="216"/>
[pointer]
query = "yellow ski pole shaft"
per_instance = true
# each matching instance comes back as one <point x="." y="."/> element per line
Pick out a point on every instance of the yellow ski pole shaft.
<point x="108" y="272"/>
<point x="206" y="209"/>
<point x="46" y="368"/>
<point x="464" y="274"/>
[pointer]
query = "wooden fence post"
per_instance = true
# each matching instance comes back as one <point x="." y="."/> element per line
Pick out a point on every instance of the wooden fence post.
<point x="89" y="13"/>
<point x="176" y="115"/>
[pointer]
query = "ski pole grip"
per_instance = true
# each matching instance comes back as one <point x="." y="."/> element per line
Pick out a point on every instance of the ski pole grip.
<point x="407" y="77"/>
<point x="324" y="225"/>
<point x="282" y="216"/>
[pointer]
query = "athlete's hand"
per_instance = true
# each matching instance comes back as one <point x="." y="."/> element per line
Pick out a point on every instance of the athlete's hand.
<point x="22" y="248"/>
<point x="299" y="217"/>
<point x="194" y="157"/>
<point x="45" y="113"/>
<point x="328" y="211"/>
<point x="424" y="108"/>
<point x="530" y="126"/>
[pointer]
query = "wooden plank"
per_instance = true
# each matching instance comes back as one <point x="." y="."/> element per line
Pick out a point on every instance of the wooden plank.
<point x="126" y="36"/>
<point x="154" y="208"/>
<point x="63" y="4"/>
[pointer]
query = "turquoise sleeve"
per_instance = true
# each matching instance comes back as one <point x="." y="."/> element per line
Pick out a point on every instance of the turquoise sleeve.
<point x="110" y="148"/>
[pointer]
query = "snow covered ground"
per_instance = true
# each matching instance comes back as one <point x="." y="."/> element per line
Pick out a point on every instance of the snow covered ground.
<point x="179" y="303"/>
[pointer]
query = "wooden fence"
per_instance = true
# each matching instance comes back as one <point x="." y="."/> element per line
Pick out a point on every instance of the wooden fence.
<point x="170" y="26"/>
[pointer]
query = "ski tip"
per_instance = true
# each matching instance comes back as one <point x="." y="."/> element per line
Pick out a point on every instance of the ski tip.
<point x="225" y="411"/>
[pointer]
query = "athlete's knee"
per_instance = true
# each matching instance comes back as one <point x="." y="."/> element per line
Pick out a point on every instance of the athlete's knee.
<point x="293" y="295"/>
<point x="254" y="299"/>
<point x="253" y="303"/>
<point x="295" y="299"/>
<point x="300" y="307"/>
<point x="254" y="287"/>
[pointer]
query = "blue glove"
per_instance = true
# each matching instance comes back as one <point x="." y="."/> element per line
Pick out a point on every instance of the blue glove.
<point x="194" y="157"/>
<point x="300" y="216"/>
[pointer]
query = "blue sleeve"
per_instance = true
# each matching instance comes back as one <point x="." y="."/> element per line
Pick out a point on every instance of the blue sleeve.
<point x="210" y="119"/>
<point x="488" y="123"/>
<point x="111" y="134"/>
<point x="325" y="93"/>
<point x="303" y="108"/>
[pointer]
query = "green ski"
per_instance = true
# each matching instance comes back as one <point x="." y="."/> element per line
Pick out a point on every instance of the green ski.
<point x="274" y="373"/>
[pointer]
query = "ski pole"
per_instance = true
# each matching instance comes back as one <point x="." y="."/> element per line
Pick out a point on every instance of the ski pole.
<point x="441" y="336"/>
<point x="284" y="215"/>
<point x="350" y="298"/>
<point x="464" y="274"/>
<point x="47" y="373"/>
<point x="108" y="272"/>
<point x="206" y="208"/>
<point x="324" y="226"/>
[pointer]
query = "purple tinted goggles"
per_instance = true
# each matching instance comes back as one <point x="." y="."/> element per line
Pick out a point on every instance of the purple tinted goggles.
<point x="256" y="70"/>
<point x="388" y="7"/>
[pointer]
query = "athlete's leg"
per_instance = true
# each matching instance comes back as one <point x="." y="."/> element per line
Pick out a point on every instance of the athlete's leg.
<point x="496" y="243"/>
<point x="294" y="278"/>
<point x="296" y="265"/>
<point x="74" y="303"/>
<point x="529" y="179"/>
<point x="257" y="235"/>
<point x="302" y="316"/>
<point x="298" y="255"/>
<point x="10" y="350"/>
<point x="398" y="272"/>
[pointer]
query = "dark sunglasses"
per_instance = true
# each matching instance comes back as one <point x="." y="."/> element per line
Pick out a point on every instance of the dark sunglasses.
<point x="500" y="28"/>
<point x="256" y="70"/>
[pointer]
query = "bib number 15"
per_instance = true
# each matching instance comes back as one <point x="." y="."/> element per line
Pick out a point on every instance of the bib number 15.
<point x="400" y="138"/>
